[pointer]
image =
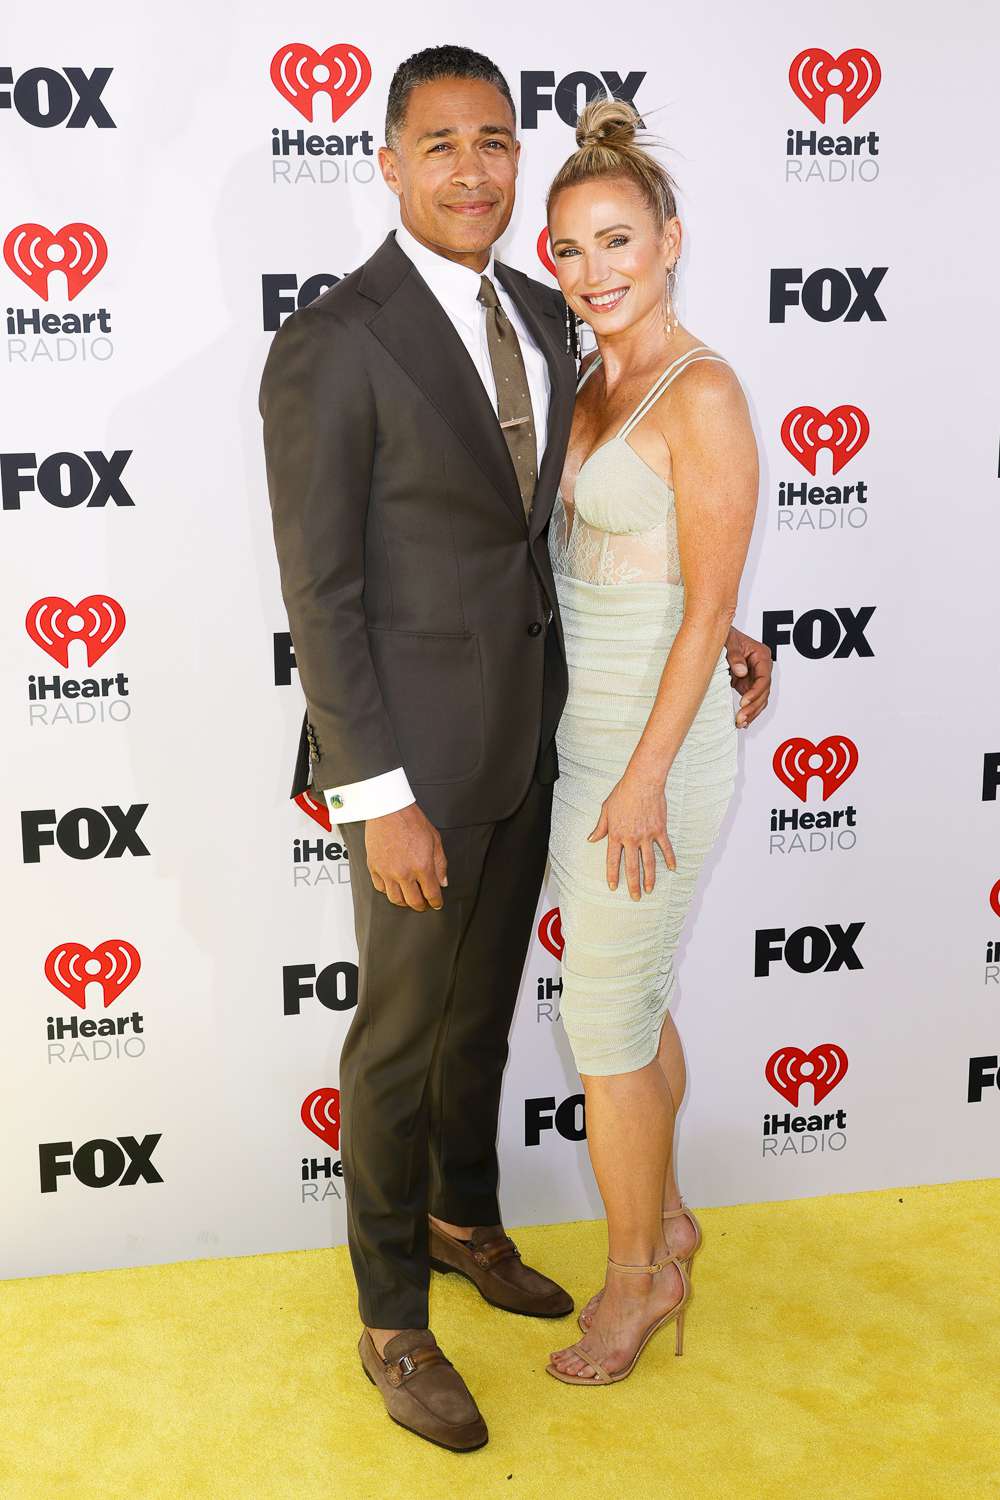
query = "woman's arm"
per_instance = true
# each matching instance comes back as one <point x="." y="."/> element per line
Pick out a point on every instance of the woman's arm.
<point x="706" y="424"/>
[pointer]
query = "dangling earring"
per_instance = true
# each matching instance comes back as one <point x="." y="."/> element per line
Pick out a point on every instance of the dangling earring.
<point x="572" y="332"/>
<point x="669" y="312"/>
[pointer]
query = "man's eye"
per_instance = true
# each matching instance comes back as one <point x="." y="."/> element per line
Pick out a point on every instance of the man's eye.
<point x="502" y="144"/>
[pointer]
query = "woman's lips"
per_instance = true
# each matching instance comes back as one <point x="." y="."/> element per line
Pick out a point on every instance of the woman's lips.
<point x="606" y="301"/>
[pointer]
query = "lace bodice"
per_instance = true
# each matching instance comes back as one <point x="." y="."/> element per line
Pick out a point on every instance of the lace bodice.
<point x="621" y="526"/>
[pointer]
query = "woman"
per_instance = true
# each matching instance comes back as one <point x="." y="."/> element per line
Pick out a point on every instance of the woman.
<point x="648" y="541"/>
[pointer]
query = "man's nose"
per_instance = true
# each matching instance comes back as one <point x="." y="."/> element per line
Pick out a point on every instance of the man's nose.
<point x="469" y="170"/>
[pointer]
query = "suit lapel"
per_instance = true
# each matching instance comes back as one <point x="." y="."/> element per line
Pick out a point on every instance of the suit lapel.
<point x="414" y="328"/>
<point x="548" y="331"/>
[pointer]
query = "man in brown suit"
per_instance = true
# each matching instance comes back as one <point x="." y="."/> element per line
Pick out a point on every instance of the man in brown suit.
<point x="416" y="417"/>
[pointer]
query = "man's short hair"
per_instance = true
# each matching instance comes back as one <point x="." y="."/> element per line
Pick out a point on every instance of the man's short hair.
<point x="433" y="63"/>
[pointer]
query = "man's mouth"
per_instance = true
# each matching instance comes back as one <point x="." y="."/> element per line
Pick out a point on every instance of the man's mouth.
<point x="472" y="210"/>
<point x="605" y="301"/>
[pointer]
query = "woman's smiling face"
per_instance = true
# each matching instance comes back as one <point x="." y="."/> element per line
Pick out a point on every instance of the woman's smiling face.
<point x="611" y="258"/>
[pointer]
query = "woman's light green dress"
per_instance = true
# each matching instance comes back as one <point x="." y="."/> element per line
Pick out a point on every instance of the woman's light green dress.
<point x="621" y="599"/>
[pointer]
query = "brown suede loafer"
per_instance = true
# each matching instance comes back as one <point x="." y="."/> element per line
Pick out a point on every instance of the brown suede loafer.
<point x="492" y="1262"/>
<point x="423" y="1391"/>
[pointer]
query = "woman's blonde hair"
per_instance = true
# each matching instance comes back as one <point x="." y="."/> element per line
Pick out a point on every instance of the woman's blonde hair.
<point x="607" y="137"/>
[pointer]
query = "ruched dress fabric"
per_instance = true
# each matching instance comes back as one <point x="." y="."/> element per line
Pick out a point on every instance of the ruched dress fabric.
<point x="621" y="598"/>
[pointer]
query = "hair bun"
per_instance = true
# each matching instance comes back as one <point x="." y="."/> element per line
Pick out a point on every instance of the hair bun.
<point x="610" y="123"/>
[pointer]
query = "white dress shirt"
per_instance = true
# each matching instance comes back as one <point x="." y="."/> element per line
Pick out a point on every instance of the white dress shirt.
<point x="456" y="287"/>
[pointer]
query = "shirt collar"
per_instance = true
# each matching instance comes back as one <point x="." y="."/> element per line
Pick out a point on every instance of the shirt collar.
<point x="455" y="286"/>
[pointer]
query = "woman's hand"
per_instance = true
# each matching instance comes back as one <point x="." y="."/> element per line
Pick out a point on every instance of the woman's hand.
<point x="633" y="819"/>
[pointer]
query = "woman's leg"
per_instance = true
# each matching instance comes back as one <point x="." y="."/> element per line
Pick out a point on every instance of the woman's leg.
<point x="630" y="1125"/>
<point x="678" y="1233"/>
<point x="670" y="1057"/>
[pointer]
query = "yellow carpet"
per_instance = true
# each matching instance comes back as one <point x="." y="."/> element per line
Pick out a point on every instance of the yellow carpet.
<point x="836" y="1348"/>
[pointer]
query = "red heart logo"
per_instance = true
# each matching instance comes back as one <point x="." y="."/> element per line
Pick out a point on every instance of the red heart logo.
<point x="34" y="252"/>
<point x="815" y="75"/>
<point x="550" y="932"/>
<point x="113" y="964"/>
<point x="299" y="73"/>
<point x="833" y="760"/>
<point x="995" y="898"/>
<point x="844" y="431"/>
<point x="318" y="811"/>
<point x="53" y="623"/>
<point x="789" y="1068"/>
<point x="545" y="251"/>
<point x="321" y="1113"/>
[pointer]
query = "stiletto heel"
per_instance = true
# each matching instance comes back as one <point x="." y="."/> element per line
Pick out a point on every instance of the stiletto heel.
<point x="601" y="1376"/>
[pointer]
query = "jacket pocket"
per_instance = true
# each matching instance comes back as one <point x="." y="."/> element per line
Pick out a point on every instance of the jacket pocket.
<point x="433" y="690"/>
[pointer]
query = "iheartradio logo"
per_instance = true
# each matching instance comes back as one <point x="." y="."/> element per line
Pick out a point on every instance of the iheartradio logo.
<point x="833" y="760"/>
<point x="550" y="932"/>
<point x="843" y="432"/>
<point x="321" y="1114"/>
<point x="54" y="623"/>
<point x="815" y="76"/>
<point x="299" y="73"/>
<point x="789" y="1068"/>
<point x="113" y="964"/>
<point x="33" y="252"/>
<point x="318" y="811"/>
<point x="545" y="251"/>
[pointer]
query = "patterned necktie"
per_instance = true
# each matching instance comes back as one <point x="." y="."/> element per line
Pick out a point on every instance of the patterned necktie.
<point x="513" y="395"/>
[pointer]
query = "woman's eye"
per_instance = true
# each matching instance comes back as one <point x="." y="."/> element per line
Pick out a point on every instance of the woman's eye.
<point x="616" y="240"/>
<point x="562" y="254"/>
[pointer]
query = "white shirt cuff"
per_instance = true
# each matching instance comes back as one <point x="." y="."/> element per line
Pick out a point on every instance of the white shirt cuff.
<point x="371" y="798"/>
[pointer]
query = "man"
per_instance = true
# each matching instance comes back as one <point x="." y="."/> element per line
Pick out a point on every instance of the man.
<point x="415" y="423"/>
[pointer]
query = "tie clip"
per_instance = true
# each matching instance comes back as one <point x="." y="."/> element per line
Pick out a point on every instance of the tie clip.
<point x="515" y="421"/>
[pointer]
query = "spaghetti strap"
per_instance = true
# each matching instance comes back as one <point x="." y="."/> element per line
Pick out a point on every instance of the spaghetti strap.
<point x="590" y="370"/>
<point x="677" y="367"/>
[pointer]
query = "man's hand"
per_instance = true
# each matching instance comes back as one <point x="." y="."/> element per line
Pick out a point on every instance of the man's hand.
<point x="750" y="667"/>
<point x="406" y="859"/>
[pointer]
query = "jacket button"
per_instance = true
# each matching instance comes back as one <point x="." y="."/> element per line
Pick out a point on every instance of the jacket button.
<point x="535" y="628"/>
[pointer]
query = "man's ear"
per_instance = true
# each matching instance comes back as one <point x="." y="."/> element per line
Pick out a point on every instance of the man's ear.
<point x="390" y="170"/>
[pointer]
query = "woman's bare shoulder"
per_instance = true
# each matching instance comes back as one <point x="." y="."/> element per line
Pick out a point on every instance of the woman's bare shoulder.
<point x="708" y="385"/>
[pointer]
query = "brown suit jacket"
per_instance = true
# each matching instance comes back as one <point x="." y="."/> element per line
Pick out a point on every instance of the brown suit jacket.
<point x="421" y="605"/>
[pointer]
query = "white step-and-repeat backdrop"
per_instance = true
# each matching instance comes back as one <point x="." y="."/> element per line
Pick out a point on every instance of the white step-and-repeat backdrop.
<point x="179" y="958"/>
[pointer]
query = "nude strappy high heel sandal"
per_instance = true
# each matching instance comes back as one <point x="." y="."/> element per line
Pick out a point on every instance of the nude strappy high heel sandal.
<point x="685" y="1263"/>
<point x="676" y="1313"/>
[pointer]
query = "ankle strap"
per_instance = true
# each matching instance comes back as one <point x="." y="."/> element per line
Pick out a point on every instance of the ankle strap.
<point x="676" y="1213"/>
<point x="657" y="1265"/>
